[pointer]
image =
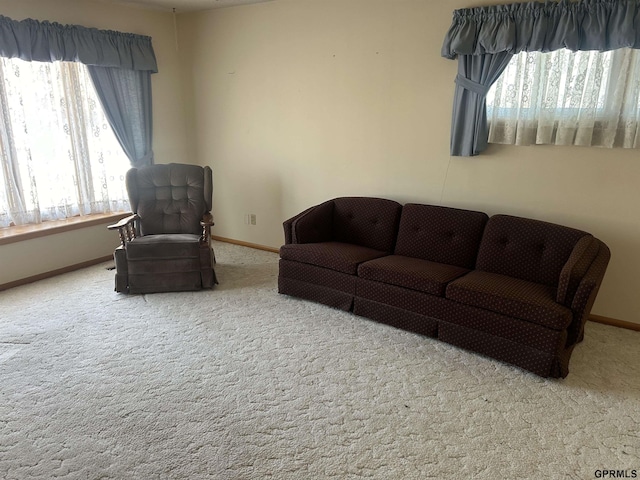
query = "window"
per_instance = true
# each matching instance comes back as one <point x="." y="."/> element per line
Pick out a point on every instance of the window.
<point x="58" y="155"/>
<point x="567" y="98"/>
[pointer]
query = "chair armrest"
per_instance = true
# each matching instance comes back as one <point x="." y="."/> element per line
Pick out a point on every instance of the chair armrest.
<point x="206" y="223"/>
<point x="125" y="221"/>
<point x="127" y="228"/>
<point x="587" y="291"/>
<point x="313" y="225"/>
<point x="207" y="220"/>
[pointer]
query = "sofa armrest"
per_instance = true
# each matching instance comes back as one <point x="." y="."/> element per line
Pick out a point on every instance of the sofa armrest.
<point x="575" y="268"/>
<point x="586" y="292"/>
<point x="288" y="226"/>
<point x="312" y="225"/>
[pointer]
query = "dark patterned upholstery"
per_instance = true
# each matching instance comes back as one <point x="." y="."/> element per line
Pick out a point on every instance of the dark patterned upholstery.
<point x="316" y="293"/>
<point x="512" y="297"/>
<point x="576" y="267"/>
<point x="503" y="326"/>
<point x="440" y="234"/>
<point x="515" y="353"/>
<point x="527" y="249"/>
<point x="288" y="225"/>
<point x="314" y="225"/>
<point x="413" y="273"/>
<point x="318" y="284"/>
<point x="403" y="298"/>
<point x="369" y="222"/>
<point x="314" y="275"/>
<point x="327" y="242"/>
<point x="514" y="289"/>
<point x="396" y="317"/>
<point x="586" y="293"/>
<point x="343" y="257"/>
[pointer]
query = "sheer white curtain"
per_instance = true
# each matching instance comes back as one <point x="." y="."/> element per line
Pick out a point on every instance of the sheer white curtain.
<point x="568" y="98"/>
<point x="59" y="157"/>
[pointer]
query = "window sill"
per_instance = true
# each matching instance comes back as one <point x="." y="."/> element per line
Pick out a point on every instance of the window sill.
<point x="26" y="232"/>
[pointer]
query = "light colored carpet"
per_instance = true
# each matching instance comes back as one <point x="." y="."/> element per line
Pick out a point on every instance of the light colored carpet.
<point x="243" y="383"/>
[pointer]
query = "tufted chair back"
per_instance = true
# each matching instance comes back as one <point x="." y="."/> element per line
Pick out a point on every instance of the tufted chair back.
<point x="528" y="249"/>
<point x="170" y="198"/>
<point x="440" y="234"/>
<point x="369" y="222"/>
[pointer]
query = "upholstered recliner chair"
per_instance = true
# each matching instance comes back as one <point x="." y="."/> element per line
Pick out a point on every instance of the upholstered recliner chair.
<point x="166" y="243"/>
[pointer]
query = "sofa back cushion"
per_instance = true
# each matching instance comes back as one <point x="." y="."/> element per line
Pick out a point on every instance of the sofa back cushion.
<point x="527" y="249"/>
<point x="369" y="222"/>
<point x="440" y="234"/>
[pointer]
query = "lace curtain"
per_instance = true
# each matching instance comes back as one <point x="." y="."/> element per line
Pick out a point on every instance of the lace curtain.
<point x="59" y="157"/>
<point x="484" y="39"/>
<point x="567" y="98"/>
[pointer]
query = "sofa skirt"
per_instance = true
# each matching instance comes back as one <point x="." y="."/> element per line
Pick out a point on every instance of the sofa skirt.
<point x="535" y="361"/>
<point x="317" y="284"/>
<point x="396" y="317"/>
<point x="529" y="346"/>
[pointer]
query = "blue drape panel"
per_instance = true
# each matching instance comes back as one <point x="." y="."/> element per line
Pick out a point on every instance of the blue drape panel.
<point x="47" y="42"/>
<point x="483" y="38"/>
<point x="120" y="65"/>
<point x="125" y="96"/>
<point x="476" y="73"/>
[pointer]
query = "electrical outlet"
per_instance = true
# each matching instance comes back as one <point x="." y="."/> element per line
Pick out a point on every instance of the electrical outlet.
<point x="252" y="218"/>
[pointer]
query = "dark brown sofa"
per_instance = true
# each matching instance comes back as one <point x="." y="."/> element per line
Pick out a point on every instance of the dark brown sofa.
<point x="515" y="289"/>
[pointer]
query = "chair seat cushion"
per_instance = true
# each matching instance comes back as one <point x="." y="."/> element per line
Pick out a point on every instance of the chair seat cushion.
<point x="510" y="296"/>
<point x="414" y="273"/>
<point x="164" y="246"/>
<point x="338" y="256"/>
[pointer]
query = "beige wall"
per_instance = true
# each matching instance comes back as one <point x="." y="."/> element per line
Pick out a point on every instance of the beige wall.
<point x="295" y="102"/>
<point x="24" y="259"/>
<point x="33" y="257"/>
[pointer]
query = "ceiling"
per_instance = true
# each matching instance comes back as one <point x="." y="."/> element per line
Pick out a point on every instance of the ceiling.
<point x="182" y="5"/>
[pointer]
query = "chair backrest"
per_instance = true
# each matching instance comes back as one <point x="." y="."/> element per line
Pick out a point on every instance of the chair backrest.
<point x="170" y="198"/>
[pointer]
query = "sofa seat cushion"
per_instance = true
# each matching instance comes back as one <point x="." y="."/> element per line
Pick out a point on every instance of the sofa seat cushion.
<point x="338" y="256"/>
<point x="165" y="246"/>
<point x="510" y="296"/>
<point x="412" y="273"/>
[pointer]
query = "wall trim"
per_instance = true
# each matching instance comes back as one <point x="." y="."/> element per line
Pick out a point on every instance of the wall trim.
<point x="614" y="322"/>
<point x="53" y="273"/>
<point x="245" y="244"/>
<point x="95" y="261"/>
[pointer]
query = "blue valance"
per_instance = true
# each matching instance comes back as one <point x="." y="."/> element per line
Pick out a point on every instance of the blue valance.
<point x="544" y="26"/>
<point x="46" y="42"/>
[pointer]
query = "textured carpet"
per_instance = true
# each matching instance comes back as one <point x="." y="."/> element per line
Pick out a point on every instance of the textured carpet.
<point x="243" y="383"/>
